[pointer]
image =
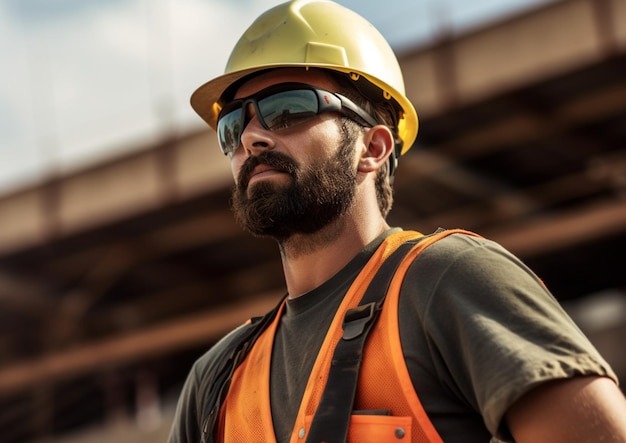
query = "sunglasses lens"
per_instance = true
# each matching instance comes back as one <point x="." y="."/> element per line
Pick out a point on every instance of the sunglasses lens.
<point x="288" y="108"/>
<point x="229" y="130"/>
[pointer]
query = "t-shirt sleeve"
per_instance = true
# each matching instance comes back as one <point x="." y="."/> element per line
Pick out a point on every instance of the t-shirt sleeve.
<point x="185" y="426"/>
<point x="495" y="328"/>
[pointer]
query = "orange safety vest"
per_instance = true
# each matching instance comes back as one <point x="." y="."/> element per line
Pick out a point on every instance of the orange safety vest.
<point x="384" y="381"/>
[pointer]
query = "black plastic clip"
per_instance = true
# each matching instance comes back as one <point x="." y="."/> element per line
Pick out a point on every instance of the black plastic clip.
<point x="357" y="319"/>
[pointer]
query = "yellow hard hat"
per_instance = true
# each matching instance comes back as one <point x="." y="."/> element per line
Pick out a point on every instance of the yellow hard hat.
<point x="313" y="34"/>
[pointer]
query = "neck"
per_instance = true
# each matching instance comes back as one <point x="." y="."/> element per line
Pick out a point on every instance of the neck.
<point x="310" y="260"/>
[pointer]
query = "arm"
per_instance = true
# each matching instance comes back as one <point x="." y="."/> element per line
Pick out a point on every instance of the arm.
<point x="185" y="427"/>
<point x="580" y="409"/>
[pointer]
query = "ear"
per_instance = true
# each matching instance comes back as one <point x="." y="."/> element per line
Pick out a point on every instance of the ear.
<point x="378" y="142"/>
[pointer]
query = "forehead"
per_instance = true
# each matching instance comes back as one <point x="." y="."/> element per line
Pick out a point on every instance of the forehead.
<point x="315" y="77"/>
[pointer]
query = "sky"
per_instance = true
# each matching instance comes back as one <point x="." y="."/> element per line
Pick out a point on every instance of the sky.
<point x="82" y="81"/>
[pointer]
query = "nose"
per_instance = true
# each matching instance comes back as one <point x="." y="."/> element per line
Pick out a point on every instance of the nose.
<point x="254" y="137"/>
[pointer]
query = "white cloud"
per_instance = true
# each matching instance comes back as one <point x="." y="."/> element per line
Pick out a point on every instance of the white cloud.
<point x="19" y="154"/>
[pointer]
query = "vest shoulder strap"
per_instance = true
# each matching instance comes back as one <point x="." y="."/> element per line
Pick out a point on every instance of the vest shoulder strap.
<point x="332" y="416"/>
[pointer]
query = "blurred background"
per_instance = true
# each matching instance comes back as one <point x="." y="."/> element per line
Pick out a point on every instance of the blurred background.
<point x="120" y="263"/>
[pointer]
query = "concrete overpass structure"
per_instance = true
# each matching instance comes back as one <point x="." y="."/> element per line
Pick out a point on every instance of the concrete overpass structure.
<point x="115" y="277"/>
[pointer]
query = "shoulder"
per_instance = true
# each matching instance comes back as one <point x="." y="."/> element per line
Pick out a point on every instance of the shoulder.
<point x="201" y="379"/>
<point x="206" y="367"/>
<point x="209" y="374"/>
<point x="462" y="253"/>
<point x="458" y="242"/>
<point x="474" y="271"/>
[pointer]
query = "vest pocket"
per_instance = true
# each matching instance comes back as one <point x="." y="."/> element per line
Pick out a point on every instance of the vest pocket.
<point x="375" y="428"/>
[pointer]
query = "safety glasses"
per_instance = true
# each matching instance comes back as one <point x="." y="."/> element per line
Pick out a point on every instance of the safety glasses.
<point x="283" y="106"/>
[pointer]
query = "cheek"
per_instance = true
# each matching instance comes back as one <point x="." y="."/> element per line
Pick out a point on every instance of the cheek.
<point x="235" y="166"/>
<point x="323" y="139"/>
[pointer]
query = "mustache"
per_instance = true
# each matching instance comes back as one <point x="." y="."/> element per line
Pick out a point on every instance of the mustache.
<point x="275" y="160"/>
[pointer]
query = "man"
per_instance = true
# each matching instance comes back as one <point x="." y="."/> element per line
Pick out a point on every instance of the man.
<point x="468" y="344"/>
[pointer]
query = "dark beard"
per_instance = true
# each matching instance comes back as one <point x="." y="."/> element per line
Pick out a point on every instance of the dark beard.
<point x="315" y="197"/>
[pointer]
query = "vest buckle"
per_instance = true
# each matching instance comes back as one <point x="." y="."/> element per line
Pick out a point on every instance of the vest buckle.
<point x="357" y="320"/>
